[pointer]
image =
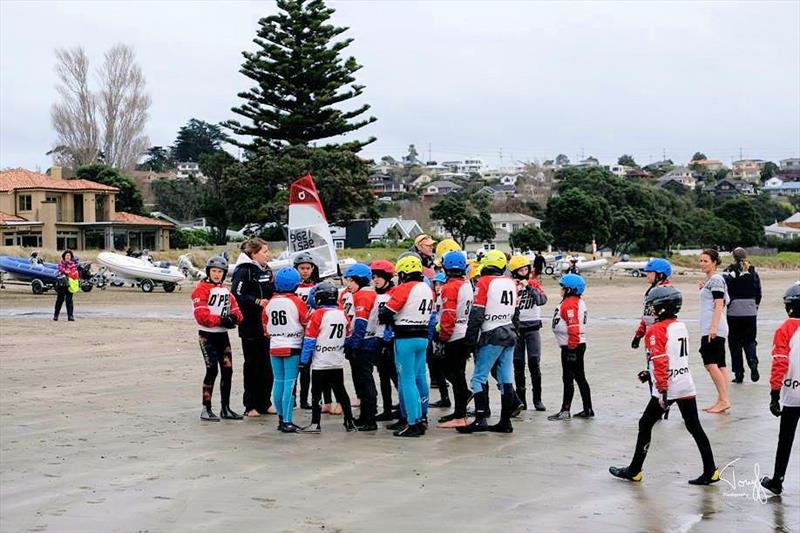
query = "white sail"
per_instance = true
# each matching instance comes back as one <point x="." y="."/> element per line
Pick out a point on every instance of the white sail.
<point x="308" y="227"/>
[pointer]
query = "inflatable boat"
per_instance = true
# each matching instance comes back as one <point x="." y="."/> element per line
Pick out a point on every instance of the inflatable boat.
<point x="147" y="274"/>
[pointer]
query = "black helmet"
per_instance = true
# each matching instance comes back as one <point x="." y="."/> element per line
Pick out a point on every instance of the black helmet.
<point x="665" y="300"/>
<point x="303" y="257"/>
<point x="217" y="262"/>
<point x="325" y="294"/>
<point x="791" y="300"/>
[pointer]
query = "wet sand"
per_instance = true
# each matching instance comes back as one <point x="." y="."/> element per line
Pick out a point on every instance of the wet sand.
<point x="99" y="431"/>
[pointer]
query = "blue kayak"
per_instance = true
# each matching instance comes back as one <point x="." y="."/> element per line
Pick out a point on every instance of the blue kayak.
<point x="22" y="268"/>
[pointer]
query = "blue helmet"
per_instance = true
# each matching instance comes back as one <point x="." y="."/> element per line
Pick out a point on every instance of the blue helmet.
<point x="359" y="270"/>
<point x="454" y="261"/>
<point x="287" y="279"/>
<point x="659" y="266"/>
<point x="573" y="283"/>
<point x="440" y="278"/>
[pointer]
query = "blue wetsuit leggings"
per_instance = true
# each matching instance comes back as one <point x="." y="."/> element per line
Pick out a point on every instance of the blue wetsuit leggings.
<point x="412" y="379"/>
<point x="285" y="371"/>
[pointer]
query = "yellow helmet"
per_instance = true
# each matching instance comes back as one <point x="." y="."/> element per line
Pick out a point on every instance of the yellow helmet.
<point x="447" y="245"/>
<point x="517" y="262"/>
<point x="474" y="268"/>
<point x="494" y="258"/>
<point x="408" y="265"/>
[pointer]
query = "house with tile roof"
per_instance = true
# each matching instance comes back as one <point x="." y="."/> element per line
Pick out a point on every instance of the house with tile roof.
<point x="41" y="211"/>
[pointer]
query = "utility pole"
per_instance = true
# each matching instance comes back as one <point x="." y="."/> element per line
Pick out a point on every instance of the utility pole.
<point x="663" y="154"/>
<point x="501" y="157"/>
<point x="429" y="152"/>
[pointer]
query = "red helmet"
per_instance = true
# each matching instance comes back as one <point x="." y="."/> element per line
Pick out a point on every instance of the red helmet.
<point x="382" y="265"/>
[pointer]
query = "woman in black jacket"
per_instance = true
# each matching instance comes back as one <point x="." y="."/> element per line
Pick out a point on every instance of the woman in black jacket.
<point x="252" y="287"/>
<point x="744" y="288"/>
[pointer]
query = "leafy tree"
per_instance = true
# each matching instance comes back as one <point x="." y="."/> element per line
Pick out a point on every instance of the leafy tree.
<point x="576" y="217"/>
<point x="740" y="213"/>
<point x="627" y="160"/>
<point x="699" y="156"/>
<point x="159" y="159"/>
<point x="301" y="81"/>
<point x="562" y="160"/>
<point x="129" y="199"/>
<point x="706" y="230"/>
<point x="464" y="217"/>
<point x="179" y="198"/>
<point x="768" y="170"/>
<point x="195" y="139"/>
<point x="769" y="210"/>
<point x="224" y="192"/>
<point x="592" y="159"/>
<point x="721" y="174"/>
<point x="530" y="238"/>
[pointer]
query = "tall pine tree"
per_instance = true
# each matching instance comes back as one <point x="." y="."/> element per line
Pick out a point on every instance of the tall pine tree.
<point x="301" y="81"/>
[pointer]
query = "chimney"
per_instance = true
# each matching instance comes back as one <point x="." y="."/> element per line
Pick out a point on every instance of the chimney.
<point x="55" y="173"/>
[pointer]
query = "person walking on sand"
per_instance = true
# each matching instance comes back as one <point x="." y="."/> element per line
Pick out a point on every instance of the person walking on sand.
<point x="744" y="287"/>
<point x="68" y="271"/>
<point x="253" y="286"/>
<point x="714" y="327"/>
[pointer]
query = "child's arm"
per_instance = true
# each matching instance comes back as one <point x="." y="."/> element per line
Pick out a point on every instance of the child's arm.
<point x="310" y="340"/>
<point x="657" y="346"/>
<point x="202" y="314"/>
<point x="477" y="312"/>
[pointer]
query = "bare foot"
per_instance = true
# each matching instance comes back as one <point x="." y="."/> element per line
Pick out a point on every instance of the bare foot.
<point x="271" y="410"/>
<point x="721" y="407"/>
<point x="337" y="410"/>
<point x="327" y="408"/>
<point x="252" y="413"/>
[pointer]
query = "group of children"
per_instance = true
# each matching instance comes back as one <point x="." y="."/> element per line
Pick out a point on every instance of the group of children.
<point x="393" y="317"/>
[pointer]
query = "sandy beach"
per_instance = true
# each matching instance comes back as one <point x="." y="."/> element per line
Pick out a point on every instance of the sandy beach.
<point x="99" y="431"/>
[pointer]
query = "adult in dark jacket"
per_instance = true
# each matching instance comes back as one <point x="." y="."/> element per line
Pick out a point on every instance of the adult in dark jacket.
<point x="253" y="286"/>
<point x="744" y="288"/>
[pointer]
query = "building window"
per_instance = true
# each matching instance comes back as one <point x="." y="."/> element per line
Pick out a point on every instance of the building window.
<point x="25" y="202"/>
<point x="67" y="240"/>
<point x="339" y="245"/>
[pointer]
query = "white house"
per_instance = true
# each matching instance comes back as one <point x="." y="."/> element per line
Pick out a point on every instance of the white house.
<point x="748" y="170"/>
<point x="618" y="170"/>
<point x="509" y="179"/>
<point x="513" y="221"/>
<point x="774" y="181"/>
<point x="441" y="187"/>
<point x="188" y="169"/>
<point x="681" y="175"/>
<point x="468" y="166"/>
<point x="788" y="229"/>
<point x="791" y="188"/>
<point x="421" y="180"/>
<point x="385" y="228"/>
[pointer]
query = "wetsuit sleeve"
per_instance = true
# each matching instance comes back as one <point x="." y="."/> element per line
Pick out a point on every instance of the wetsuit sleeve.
<point x="310" y="340"/>
<point x="641" y="330"/>
<point x="477" y="312"/>
<point x="780" y="358"/>
<point x="657" y="347"/>
<point x="202" y="314"/>
<point x="539" y="296"/>
<point x="447" y="318"/>
<point x="240" y="288"/>
<point x="570" y="315"/>
<point x="235" y="311"/>
<point x="432" y="324"/>
<point x="265" y="321"/>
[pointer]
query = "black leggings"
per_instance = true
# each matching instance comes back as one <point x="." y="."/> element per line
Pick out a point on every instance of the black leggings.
<point x="742" y="338"/>
<point x="455" y="365"/>
<point x="436" y="369"/>
<point x="789" y="418"/>
<point x="387" y="374"/>
<point x="572" y="370"/>
<point x="305" y="385"/>
<point x="328" y="379"/>
<point x="257" y="372"/>
<point x="652" y="413"/>
<point x="362" y="364"/>
<point x="216" y="349"/>
<point x="530" y="342"/>
<point x="63" y="295"/>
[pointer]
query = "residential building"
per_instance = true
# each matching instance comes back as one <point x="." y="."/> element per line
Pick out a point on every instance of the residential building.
<point x="618" y="170"/>
<point x="360" y="233"/>
<point x="787" y="229"/>
<point x="468" y="166"/>
<point x="791" y="164"/>
<point x="748" y="170"/>
<point x="513" y="221"/>
<point x="499" y="191"/>
<point x="706" y="165"/>
<point x="673" y="185"/>
<point x="730" y="187"/>
<point x="421" y="180"/>
<point x="440" y="187"/>
<point x="386" y="185"/>
<point x="659" y="166"/>
<point x="681" y="175"/>
<point x="43" y="211"/>
<point x="509" y="179"/>
<point x="789" y="188"/>
<point x="189" y="169"/>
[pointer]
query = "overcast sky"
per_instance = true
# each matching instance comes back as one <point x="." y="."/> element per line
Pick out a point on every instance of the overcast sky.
<point x="471" y="79"/>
